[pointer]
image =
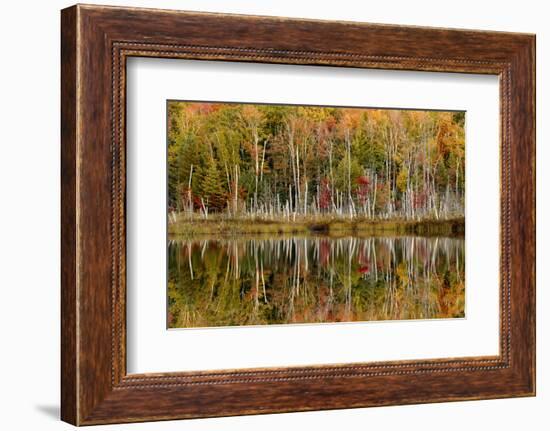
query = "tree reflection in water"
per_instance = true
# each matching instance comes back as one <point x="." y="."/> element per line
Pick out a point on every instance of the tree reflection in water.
<point x="276" y="280"/>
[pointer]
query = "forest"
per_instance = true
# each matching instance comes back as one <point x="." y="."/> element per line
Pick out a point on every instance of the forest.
<point x="247" y="163"/>
<point x="303" y="214"/>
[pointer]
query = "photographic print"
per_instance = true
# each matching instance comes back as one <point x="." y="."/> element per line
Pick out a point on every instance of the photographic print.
<point x="282" y="213"/>
<point x="291" y="214"/>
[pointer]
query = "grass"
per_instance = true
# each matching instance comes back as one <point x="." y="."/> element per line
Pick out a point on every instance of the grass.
<point x="221" y="225"/>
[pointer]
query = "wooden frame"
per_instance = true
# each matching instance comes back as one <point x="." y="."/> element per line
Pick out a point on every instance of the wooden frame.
<point x="96" y="41"/>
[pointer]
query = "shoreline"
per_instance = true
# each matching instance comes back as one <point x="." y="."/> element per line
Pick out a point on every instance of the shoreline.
<point x="454" y="227"/>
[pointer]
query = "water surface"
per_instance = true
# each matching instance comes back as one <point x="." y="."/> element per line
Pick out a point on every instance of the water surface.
<point x="274" y="280"/>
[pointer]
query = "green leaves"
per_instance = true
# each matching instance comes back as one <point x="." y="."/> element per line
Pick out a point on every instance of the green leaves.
<point x="274" y="158"/>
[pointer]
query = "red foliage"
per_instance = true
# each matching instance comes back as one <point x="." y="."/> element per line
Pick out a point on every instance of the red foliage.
<point x="197" y="204"/>
<point x="330" y="123"/>
<point x="325" y="195"/>
<point x="364" y="269"/>
<point x="419" y="199"/>
<point x="363" y="187"/>
<point x="242" y="192"/>
<point x="203" y="108"/>
<point x="363" y="180"/>
<point x="324" y="252"/>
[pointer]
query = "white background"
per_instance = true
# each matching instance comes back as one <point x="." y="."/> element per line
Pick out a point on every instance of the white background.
<point x="29" y="212"/>
<point x="151" y="348"/>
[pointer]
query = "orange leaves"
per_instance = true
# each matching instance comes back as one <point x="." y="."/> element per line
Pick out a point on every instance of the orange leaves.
<point x="450" y="135"/>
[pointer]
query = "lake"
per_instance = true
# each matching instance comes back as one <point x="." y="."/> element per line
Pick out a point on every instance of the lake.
<point x="229" y="281"/>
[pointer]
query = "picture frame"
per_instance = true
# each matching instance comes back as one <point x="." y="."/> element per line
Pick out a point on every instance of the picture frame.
<point x="96" y="42"/>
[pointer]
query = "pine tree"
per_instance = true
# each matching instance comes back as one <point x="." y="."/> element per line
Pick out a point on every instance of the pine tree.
<point x="212" y="189"/>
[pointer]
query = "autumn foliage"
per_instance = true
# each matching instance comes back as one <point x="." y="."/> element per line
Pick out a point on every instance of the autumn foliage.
<point x="278" y="161"/>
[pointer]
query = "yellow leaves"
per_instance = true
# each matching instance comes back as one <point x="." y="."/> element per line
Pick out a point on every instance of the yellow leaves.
<point x="450" y="135"/>
<point x="417" y="117"/>
<point x="403" y="274"/>
<point x="402" y="179"/>
<point x="315" y="113"/>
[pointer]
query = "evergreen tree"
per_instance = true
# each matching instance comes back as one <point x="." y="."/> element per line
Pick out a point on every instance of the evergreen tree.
<point x="212" y="192"/>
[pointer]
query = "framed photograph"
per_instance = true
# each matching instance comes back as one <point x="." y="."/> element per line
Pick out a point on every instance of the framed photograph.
<point x="265" y="215"/>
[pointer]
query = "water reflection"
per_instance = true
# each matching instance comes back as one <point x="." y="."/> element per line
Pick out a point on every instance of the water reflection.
<point x="251" y="281"/>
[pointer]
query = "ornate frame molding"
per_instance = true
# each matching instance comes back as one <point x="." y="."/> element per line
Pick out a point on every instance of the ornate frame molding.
<point x="96" y="41"/>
